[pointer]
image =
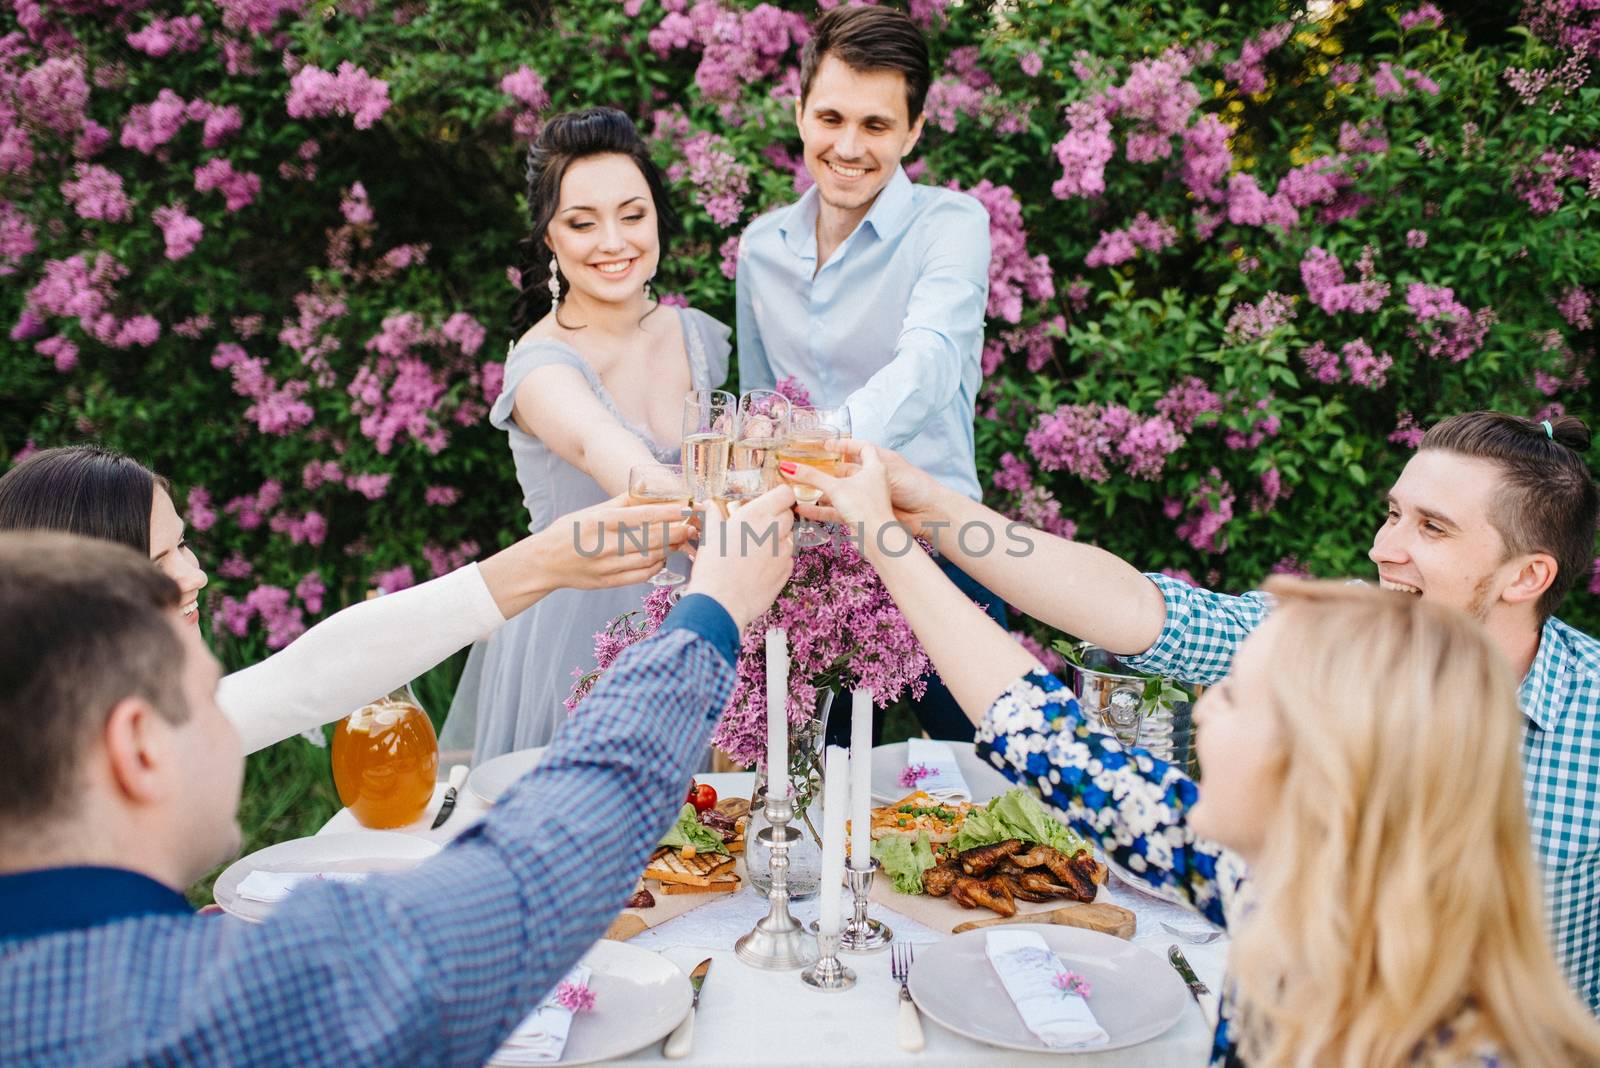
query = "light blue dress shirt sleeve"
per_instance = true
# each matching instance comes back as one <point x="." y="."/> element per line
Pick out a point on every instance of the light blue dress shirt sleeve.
<point x="755" y="370"/>
<point x="942" y="327"/>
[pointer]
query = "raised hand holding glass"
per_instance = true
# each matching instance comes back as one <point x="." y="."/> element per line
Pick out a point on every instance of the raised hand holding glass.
<point x="656" y="484"/>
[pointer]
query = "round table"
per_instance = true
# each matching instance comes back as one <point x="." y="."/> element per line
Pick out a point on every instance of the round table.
<point x="749" y="1016"/>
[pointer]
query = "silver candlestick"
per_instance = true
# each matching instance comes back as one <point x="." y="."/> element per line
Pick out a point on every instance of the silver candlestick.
<point x="860" y="935"/>
<point x="828" y="973"/>
<point x="863" y="935"/>
<point x="777" y="942"/>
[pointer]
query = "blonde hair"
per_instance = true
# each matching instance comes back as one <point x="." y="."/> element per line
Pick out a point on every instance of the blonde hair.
<point x="1396" y="888"/>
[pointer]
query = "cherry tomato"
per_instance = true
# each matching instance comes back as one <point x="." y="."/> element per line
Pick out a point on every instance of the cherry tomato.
<point x="702" y="797"/>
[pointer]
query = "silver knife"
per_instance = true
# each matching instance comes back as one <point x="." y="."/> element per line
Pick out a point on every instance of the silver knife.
<point x="458" y="775"/>
<point x="1196" y="988"/>
<point x="681" y="1040"/>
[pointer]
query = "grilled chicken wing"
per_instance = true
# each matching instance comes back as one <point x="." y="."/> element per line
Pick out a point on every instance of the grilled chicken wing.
<point x="1019" y="892"/>
<point x="992" y="893"/>
<point x="937" y="881"/>
<point x="1037" y="882"/>
<point x="983" y="859"/>
<point x="1033" y="858"/>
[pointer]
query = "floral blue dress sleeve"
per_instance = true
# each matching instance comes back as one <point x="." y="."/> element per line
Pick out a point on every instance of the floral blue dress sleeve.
<point x="1132" y="805"/>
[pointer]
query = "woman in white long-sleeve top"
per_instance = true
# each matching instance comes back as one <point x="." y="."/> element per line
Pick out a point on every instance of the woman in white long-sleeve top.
<point x="355" y="655"/>
<point x="1359" y="758"/>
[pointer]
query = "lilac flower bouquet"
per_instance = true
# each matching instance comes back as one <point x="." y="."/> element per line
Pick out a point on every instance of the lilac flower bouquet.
<point x="844" y="629"/>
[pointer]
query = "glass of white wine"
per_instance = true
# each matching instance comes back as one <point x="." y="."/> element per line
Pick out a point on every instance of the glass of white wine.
<point x="708" y="420"/>
<point x="812" y="434"/>
<point x="763" y="426"/>
<point x="657" y="484"/>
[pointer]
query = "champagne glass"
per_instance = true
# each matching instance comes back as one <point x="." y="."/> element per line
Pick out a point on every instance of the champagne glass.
<point x="763" y="426"/>
<point x="659" y="484"/>
<point x="812" y="432"/>
<point x="708" y="419"/>
<point x="740" y="486"/>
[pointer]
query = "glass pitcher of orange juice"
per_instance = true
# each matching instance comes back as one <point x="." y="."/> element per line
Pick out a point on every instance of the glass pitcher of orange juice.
<point x="386" y="760"/>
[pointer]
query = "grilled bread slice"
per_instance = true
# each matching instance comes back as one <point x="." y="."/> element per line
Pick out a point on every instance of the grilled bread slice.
<point x="723" y="882"/>
<point x="671" y="866"/>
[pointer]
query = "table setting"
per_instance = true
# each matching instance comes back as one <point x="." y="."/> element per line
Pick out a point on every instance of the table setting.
<point x="778" y="980"/>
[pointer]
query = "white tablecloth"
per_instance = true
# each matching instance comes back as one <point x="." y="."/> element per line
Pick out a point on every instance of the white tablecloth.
<point x="740" y="1025"/>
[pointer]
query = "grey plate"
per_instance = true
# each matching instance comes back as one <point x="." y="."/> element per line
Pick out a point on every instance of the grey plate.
<point x="493" y="778"/>
<point x="639" y="997"/>
<point x="1136" y="995"/>
<point x="888" y="761"/>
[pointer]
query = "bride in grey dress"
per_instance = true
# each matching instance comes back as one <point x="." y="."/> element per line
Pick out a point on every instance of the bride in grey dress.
<point x="594" y="386"/>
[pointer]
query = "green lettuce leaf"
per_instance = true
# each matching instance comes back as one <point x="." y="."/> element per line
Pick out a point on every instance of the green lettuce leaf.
<point x="689" y="831"/>
<point x="905" y="860"/>
<point x="1016" y="814"/>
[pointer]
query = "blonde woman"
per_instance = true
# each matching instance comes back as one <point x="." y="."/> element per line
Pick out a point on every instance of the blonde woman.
<point x="1360" y="758"/>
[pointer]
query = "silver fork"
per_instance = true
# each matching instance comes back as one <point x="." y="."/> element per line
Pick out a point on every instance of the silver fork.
<point x="900" y="958"/>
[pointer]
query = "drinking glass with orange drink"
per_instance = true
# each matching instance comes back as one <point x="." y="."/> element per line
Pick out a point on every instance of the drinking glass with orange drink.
<point x="385" y="761"/>
<point x="659" y="484"/>
<point x="813" y="433"/>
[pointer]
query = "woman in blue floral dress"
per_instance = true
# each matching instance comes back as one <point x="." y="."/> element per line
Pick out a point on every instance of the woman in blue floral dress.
<point x="1360" y="757"/>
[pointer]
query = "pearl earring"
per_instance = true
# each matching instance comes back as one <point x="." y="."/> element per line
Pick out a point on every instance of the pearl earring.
<point x="555" y="282"/>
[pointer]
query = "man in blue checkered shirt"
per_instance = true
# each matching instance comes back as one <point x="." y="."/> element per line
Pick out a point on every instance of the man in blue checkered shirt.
<point x="1495" y="514"/>
<point x="121" y="784"/>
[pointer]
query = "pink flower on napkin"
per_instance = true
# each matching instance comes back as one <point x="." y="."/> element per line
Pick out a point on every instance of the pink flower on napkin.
<point x="1070" y="983"/>
<point x="914" y="774"/>
<point x="575" y="997"/>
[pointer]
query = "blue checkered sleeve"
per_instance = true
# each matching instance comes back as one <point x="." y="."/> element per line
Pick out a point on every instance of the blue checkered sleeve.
<point x="1201" y="633"/>
<point x="1561" y="779"/>
<point x="432" y="967"/>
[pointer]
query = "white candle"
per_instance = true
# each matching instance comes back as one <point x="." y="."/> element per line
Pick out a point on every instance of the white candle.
<point x="777" y="714"/>
<point x="835" y="800"/>
<point x="861" y="779"/>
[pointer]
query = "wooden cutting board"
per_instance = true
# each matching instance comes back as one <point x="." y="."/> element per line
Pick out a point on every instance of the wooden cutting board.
<point x="667" y="907"/>
<point x="943" y="914"/>
<point x="1099" y="916"/>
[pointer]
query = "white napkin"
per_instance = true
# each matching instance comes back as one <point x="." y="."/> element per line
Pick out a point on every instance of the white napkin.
<point x="1028" y="969"/>
<point x="274" y="886"/>
<point x="541" y="1037"/>
<point x="946" y="783"/>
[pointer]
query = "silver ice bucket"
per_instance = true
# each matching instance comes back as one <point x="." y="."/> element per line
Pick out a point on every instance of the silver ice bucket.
<point x="1111" y="694"/>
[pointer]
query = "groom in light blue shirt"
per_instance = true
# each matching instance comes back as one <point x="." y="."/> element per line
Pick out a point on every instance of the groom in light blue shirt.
<point x="871" y="290"/>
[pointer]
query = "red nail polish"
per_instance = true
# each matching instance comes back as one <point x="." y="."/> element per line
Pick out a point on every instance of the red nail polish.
<point x="787" y="468"/>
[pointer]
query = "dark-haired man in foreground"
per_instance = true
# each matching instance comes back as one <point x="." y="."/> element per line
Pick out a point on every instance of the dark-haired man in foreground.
<point x="871" y="290"/>
<point x="1495" y="515"/>
<point x="122" y="780"/>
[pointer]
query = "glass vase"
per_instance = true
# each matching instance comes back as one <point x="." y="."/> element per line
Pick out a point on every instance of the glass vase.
<point x="806" y="743"/>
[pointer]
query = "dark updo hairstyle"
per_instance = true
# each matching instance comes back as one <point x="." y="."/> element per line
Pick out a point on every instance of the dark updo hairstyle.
<point x="81" y="489"/>
<point x="566" y="138"/>
<point x="1547" y="501"/>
